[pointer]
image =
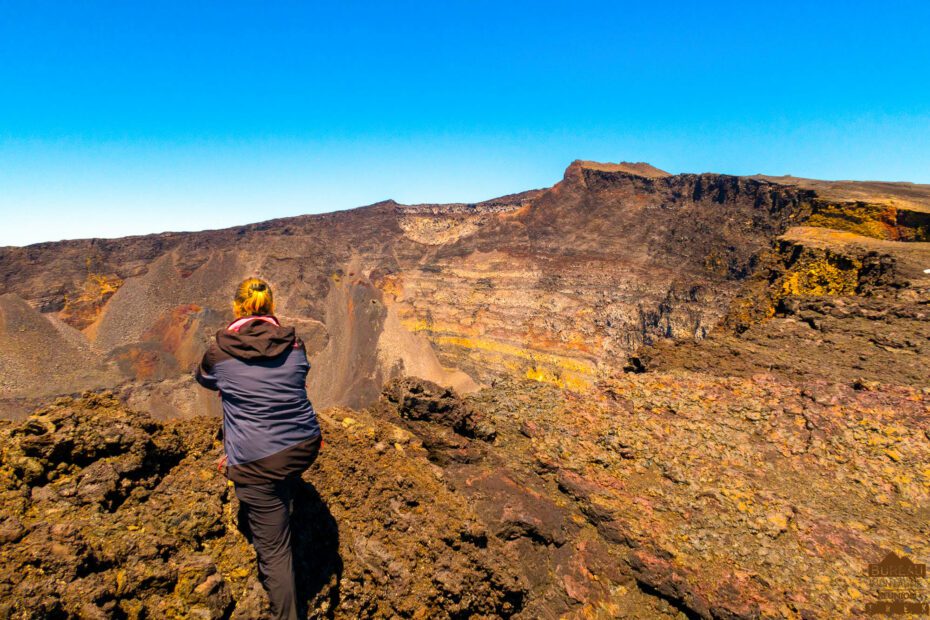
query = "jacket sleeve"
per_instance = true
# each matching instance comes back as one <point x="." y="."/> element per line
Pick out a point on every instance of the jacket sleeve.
<point x="205" y="374"/>
<point x="300" y="346"/>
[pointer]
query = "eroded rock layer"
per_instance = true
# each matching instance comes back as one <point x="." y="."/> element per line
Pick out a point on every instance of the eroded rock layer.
<point x="557" y="285"/>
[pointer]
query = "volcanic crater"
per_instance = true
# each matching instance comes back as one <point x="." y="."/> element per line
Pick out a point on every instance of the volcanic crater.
<point x="630" y="395"/>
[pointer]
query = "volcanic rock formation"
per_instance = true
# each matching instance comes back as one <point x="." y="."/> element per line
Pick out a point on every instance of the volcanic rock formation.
<point x="633" y="394"/>
<point x="106" y="513"/>
<point x="554" y="285"/>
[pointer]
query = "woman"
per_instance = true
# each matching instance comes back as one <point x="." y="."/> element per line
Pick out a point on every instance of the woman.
<point x="270" y="431"/>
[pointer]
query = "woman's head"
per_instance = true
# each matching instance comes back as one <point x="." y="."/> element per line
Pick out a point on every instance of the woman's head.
<point x="253" y="297"/>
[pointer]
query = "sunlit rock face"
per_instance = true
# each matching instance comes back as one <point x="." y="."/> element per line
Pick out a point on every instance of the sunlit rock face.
<point x="555" y="285"/>
<point x="559" y="285"/>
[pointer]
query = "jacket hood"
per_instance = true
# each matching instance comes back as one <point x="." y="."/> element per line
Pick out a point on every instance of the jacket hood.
<point x="258" y="339"/>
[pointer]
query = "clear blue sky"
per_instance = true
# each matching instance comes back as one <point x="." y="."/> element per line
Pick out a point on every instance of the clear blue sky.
<point x="133" y="117"/>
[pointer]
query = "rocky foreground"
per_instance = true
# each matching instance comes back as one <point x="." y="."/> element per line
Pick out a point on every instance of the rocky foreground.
<point x="666" y="494"/>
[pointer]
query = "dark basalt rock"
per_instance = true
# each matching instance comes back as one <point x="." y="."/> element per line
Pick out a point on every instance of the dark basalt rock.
<point x="421" y="400"/>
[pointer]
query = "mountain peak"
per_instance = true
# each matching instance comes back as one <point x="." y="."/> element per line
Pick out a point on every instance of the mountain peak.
<point x="640" y="169"/>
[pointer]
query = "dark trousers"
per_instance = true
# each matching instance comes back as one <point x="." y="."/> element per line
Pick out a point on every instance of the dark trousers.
<point x="265" y="519"/>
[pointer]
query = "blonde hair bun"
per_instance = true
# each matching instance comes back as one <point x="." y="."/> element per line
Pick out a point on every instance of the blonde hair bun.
<point x="253" y="298"/>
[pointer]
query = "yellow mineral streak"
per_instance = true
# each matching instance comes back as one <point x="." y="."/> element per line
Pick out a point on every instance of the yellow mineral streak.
<point x="83" y="308"/>
<point x="565" y="372"/>
<point x="475" y="330"/>
<point x="870" y="220"/>
<point x="565" y="380"/>
<point x="565" y="363"/>
<point x="822" y="277"/>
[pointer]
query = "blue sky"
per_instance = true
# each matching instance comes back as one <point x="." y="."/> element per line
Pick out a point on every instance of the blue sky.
<point x="133" y="117"/>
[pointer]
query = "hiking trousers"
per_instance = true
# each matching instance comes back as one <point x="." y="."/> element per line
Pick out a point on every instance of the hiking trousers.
<point x="265" y="518"/>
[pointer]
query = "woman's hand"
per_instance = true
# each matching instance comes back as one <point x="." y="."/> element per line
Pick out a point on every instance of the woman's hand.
<point x="221" y="463"/>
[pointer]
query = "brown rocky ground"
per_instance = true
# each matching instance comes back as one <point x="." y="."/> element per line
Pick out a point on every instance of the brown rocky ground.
<point x="665" y="494"/>
<point x="109" y="514"/>
<point x="740" y="497"/>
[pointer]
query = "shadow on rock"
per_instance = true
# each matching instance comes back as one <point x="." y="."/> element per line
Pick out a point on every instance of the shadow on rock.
<point x="317" y="563"/>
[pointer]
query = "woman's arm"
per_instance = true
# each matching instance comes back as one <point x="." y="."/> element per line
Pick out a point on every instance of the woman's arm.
<point x="205" y="375"/>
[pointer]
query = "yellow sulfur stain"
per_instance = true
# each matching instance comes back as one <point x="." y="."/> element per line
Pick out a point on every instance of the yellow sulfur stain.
<point x="822" y="277"/>
<point x="564" y="363"/>
<point x="565" y="380"/>
<point x="778" y="520"/>
<point x="415" y="325"/>
<point x="870" y="220"/>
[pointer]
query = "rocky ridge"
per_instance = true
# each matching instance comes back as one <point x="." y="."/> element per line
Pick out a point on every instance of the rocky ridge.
<point x="552" y="284"/>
